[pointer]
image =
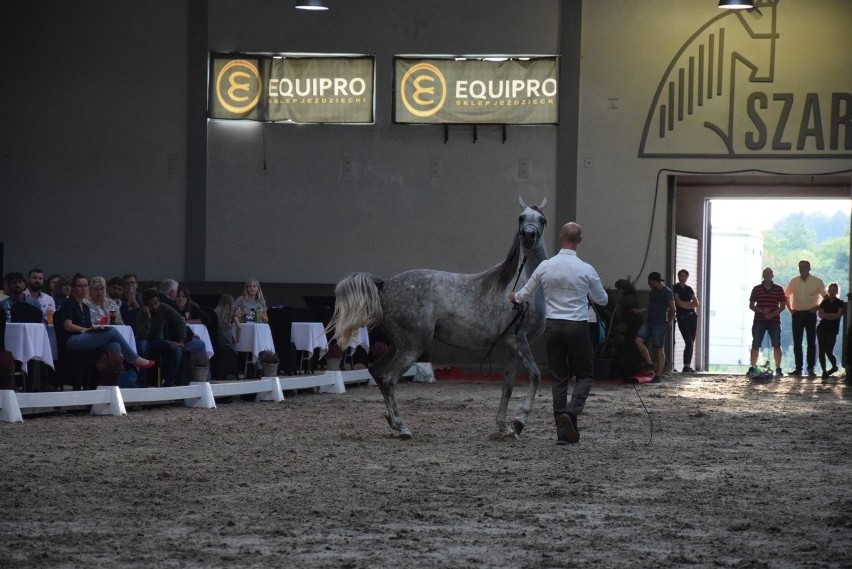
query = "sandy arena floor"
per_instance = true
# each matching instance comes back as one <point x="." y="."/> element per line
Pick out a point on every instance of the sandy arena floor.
<point x="735" y="475"/>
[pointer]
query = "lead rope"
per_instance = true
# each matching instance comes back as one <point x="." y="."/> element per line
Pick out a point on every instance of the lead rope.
<point x="650" y="419"/>
<point x="519" y="318"/>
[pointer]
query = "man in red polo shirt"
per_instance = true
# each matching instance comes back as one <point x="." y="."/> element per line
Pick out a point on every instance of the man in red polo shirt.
<point x="767" y="301"/>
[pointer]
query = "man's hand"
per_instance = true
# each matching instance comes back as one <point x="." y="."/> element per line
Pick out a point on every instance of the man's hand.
<point x="512" y="297"/>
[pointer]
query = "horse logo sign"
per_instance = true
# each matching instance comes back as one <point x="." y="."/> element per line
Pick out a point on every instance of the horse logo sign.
<point x="725" y="95"/>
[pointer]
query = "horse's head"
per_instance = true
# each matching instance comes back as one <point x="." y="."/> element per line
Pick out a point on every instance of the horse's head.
<point x="531" y="223"/>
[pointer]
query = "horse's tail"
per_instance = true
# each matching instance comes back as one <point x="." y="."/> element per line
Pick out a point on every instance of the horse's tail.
<point x="357" y="304"/>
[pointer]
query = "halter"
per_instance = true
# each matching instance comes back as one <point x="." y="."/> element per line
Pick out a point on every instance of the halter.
<point x="535" y="230"/>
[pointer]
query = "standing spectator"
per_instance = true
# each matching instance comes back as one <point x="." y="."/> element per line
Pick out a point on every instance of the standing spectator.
<point x="569" y="284"/>
<point x="35" y="283"/>
<point x="660" y="313"/>
<point x="252" y="298"/>
<point x="686" y="304"/>
<point x="767" y="301"/>
<point x="804" y="295"/>
<point x="830" y="312"/>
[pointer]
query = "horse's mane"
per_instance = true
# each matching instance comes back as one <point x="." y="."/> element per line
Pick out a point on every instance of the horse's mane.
<point x="501" y="275"/>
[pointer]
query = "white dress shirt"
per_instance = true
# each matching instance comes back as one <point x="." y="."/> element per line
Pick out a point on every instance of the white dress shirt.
<point x="568" y="284"/>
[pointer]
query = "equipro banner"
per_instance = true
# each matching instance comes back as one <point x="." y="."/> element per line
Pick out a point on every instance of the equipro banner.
<point x="438" y="91"/>
<point x="292" y="89"/>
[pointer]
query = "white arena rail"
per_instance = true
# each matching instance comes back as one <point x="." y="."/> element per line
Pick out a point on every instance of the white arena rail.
<point x="110" y="400"/>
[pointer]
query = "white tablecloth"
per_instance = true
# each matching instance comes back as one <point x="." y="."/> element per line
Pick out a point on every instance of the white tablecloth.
<point x="309" y="335"/>
<point x="127" y="333"/>
<point x="201" y="331"/>
<point x="362" y="339"/>
<point x="28" y="342"/>
<point x="255" y="338"/>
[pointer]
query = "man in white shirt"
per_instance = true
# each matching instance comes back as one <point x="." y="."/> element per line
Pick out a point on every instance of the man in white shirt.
<point x="804" y="295"/>
<point x="35" y="282"/>
<point x="568" y="284"/>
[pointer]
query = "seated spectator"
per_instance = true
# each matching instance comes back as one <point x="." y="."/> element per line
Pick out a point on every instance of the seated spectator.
<point x="50" y="285"/>
<point x="100" y="304"/>
<point x="62" y="290"/>
<point x="252" y="299"/>
<point x="15" y="286"/>
<point x="132" y="297"/>
<point x="168" y="292"/>
<point x="115" y="291"/>
<point x="35" y="283"/>
<point x="161" y="330"/>
<point x="229" y="336"/>
<point x="190" y="310"/>
<point x="75" y="318"/>
<point x="4" y="293"/>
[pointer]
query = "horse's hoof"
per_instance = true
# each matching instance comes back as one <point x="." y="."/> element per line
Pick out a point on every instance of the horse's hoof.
<point x="518" y="425"/>
<point x="405" y="436"/>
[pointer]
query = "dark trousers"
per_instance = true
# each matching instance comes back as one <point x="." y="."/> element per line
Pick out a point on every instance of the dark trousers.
<point x="804" y="322"/>
<point x="170" y="359"/>
<point x="687" y="324"/>
<point x="569" y="350"/>
<point x="826" y="340"/>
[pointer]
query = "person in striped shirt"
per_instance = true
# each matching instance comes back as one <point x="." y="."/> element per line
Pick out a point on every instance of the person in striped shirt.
<point x="767" y="301"/>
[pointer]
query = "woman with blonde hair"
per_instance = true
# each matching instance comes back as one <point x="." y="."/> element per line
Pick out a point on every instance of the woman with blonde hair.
<point x="226" y="363"/>
<point x="252" y="299"/>
<point x="99" y="302"/>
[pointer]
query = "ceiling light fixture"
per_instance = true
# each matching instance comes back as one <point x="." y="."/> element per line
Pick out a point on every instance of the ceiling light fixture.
<point x="736" y="4"/>
<point x="311" y="5"/>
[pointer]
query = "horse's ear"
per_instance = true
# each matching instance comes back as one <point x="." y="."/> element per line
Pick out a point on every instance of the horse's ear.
<point x="543" y="203"/>
<point x="521" y="201"/>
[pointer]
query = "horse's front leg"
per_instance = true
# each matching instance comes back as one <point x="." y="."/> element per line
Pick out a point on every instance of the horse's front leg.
<point x="510" y="371"/>
<point x="393" y="417"/>
<point x="535" y="380"/>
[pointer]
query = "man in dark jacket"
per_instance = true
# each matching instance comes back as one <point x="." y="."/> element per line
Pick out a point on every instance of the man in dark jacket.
<point x="161" y="330"/>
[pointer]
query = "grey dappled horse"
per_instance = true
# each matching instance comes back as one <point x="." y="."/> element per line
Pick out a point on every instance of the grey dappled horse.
<point x="467" y="311"/>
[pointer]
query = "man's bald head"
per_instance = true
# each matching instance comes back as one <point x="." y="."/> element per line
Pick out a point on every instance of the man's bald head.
<point x="571" y="233"/>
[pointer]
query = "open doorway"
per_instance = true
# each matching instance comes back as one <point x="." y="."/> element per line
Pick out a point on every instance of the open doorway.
<point x="732" y="216"/>
<point x="748" y="235"/>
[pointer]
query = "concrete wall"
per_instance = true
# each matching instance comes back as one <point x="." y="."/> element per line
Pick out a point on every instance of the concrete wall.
<point x="627" y="50"/>
<point x="301" y="220"/>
